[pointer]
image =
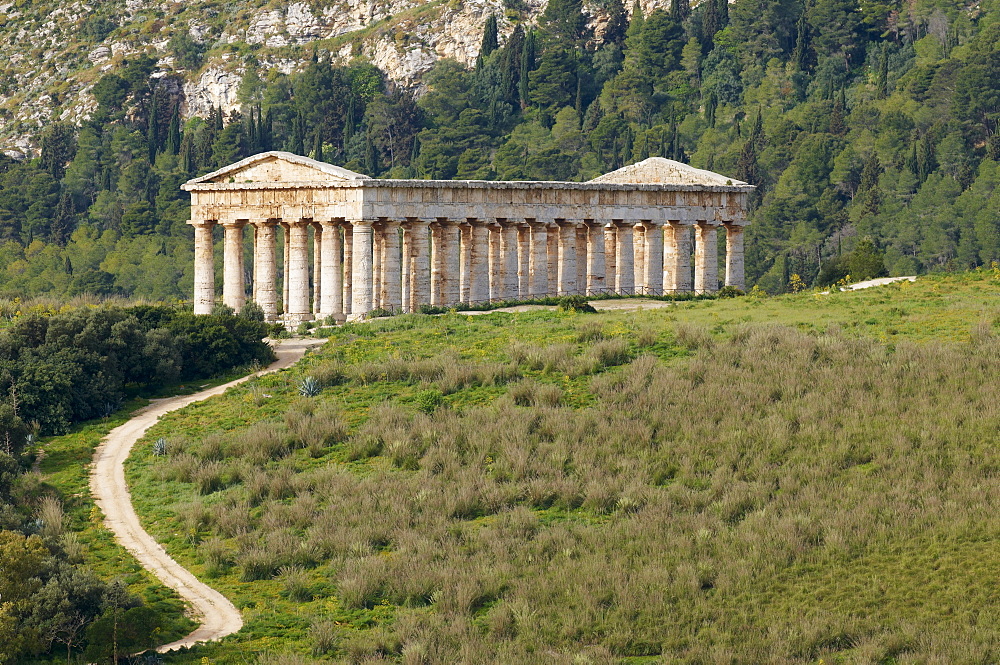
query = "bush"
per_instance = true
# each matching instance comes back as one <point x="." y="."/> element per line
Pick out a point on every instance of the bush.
<point x="575" y="304"/>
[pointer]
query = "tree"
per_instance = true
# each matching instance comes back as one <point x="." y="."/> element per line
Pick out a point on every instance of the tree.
<point x="564" y="24"/>
<point x="489" y="43"/>
<point x="58" y="148"/>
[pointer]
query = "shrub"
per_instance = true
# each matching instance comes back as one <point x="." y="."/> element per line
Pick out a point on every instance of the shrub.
<point x="576" y="304"/>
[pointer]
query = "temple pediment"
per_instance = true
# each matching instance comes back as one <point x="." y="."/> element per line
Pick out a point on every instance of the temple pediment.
<point x="660" y="171"/>
<point x="278" y="167"/>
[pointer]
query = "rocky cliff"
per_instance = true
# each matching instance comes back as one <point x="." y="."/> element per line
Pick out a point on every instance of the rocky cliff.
<point x="53" y="52"/>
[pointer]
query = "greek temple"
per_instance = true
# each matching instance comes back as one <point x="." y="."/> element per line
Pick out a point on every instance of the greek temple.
<point x="352" y="244"/>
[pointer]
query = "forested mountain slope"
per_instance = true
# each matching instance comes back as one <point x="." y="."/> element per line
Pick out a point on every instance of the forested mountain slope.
<point x="858" y="120"/>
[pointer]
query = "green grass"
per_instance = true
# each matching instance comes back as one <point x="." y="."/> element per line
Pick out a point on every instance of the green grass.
<point x="729" y="494"/>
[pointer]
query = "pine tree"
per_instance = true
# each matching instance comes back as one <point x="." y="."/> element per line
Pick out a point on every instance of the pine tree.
<point x="838" y="127"/>
<point x="510" y="66"/>
<point x="927" y="158"/>
<point x="564" y="24"/>
<point x="64" y="220"/>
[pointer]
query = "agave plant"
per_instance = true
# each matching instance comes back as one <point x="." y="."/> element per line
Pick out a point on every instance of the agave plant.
<point x="160" y="447"/>
<point x="309" y="387"/>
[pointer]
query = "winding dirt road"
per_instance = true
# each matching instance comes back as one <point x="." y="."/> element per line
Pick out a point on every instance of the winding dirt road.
<point x="217" y="615"/>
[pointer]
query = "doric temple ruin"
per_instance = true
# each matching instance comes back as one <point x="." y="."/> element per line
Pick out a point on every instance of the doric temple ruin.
<point x="400" y="244"/>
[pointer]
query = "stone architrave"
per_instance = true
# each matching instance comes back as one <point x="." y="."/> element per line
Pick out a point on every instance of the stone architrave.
<point x="331" y="295"/>
<point x="595" y="258"/>
<point x="204" y="266"/>
<point x="624" y="264"/>
<point x="734" y="256"/>
<point x="653" y="264"/>
<point x="361" y="274"/>
<point x="233" y="289"/>
<point x="265" y="268"/>
<point x="706" y="270"/>
<point x="538" y="270"/>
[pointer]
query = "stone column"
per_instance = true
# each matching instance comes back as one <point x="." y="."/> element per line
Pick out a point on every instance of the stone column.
<point x="681" y="280"/>
<point x="406" y="269"/>
<point x="523" y="261"/>
<point x="479" y="277"/>
<point x="538" y="271"/>
<point x="298" y="273"/>
<point x="392" y="285"/>
<point x="669" y="259"/>
<point x="265" y="268"/>
<point x="420" y="264"/>
<point x="332" y="278"/>
<point x="317" y="266"/>
<point x="734" y="256"/>
<point x="285" y="253"/>
<point x="361" y="273"/>
<point x="624" y="268"/>
<point x="581" y="258"/>
<point x="653" y="279"/>
<point x="706" y="268"/>
<point x="437" y="264"/>
<point x="595" y="258"/>
<point x="377" y="231"/>
<point x="509" y="254"/>
<point x="348" y="298"/>
<point x="552" y="259"/>
<point x="495" y="266"/>
<point x="451" y="251"/>
<point x="610" y="257"/>
<point x="465" y="260"/>
<point x="204" y="266"/>
<point x="254" y="276"/>
<point x="567" y="257"/>
<point x="233" y="289"/>
<point x="639" y="258"/>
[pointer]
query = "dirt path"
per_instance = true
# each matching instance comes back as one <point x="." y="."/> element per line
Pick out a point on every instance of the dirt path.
<point x="218" y="616"/>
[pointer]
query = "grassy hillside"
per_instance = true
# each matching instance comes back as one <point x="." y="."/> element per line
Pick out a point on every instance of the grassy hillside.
<point x="691" y="482"/>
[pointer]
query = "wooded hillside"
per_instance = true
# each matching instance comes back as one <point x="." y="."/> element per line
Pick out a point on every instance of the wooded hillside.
<point x="856" y="119"/>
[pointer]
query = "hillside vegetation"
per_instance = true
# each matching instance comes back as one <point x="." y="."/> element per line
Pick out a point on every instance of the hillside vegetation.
<point x="866" y="125"/>
<point x="760" y="480"/>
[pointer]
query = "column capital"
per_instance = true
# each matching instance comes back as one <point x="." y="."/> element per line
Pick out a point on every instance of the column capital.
<point x="420" y="220"/>
<point x="202" y="223"/>
<point x="391" y="223"/>
<point x="369" y="223"/>
<point x="234" y="223"/>
<point x="264" y="222"/>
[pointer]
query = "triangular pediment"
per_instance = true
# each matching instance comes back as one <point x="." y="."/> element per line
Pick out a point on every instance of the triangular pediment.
<point x="278" y="167"/>
<point x="660" y="171"/>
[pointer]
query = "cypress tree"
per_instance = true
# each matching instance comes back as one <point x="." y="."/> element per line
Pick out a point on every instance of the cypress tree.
<point x="187" y="149"/>
<point x="927" y="159"/>
<point x="882" y="85"/>
<point x="680" y="9"/>
<point x="527" y="65"/>
<point x="349" y="121"/>
<point x="318" y="146"/>
<point x="68" y="266"/>
<point x="711" y="105"/>
<point x="298" y="146"/>
<point x="838" y="127"/>
<point x="723" y="6"/>
<point x="510" y="66"/>
<point x="371" y="159"/>
<point x="489" y="43"/>
<point x="267" y="132"/>
<point x="174" y="133"/>
<point x="152" y="129"/>
<point x="804" y="55"/>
